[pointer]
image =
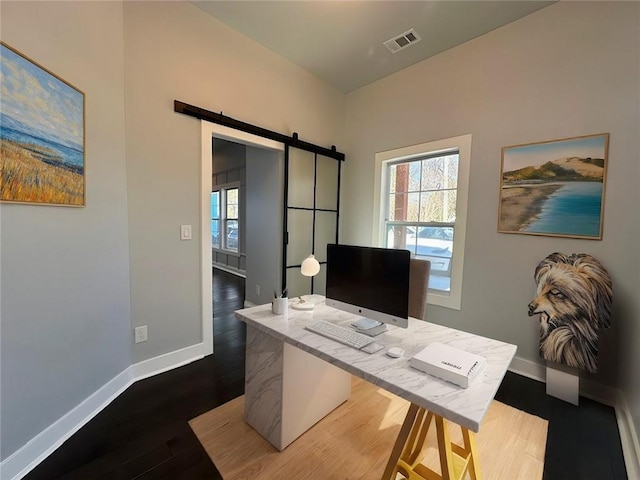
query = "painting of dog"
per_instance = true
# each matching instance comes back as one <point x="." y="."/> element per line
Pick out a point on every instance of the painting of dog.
<point x="573" y="299"/>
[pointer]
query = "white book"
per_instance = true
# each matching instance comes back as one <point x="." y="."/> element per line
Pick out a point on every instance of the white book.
<point x="449" y="363"/>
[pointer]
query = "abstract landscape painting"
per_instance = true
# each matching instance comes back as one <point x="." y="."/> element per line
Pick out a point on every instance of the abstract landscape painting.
<point x="41" y="135"/>
<point x="554" y="188"/>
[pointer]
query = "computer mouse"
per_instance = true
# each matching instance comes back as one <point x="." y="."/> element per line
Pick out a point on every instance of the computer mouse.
<point x="395" y="352"/>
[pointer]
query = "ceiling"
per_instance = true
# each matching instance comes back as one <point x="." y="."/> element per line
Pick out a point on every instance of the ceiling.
<point x="341" y="42"/>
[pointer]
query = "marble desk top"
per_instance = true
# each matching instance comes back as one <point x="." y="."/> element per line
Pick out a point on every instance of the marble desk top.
<point x="464" y="406"/>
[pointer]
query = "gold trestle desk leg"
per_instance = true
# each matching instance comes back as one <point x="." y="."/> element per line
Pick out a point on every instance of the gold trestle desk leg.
<point x="456" y="461"/>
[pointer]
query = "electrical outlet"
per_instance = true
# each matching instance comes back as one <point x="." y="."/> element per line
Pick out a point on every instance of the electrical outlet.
<point x="257" y="289"/>
<point x="141" y="334"/>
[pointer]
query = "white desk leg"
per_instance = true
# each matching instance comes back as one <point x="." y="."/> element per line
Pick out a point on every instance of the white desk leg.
<point x="312" y="388"/>
<point x="288" y="390"/>
<point x="263" y="385"/>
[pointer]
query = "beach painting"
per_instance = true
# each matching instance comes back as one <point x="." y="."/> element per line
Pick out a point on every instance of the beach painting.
<point x="41" y="135"/>
<point x="554" y="188"/>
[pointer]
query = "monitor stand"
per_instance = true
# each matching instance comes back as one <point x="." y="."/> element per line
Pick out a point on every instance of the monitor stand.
<point x="370" y="327"/>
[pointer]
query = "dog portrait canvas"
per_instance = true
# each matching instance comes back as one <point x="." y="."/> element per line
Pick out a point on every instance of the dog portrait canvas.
<point x="573" y="301"/>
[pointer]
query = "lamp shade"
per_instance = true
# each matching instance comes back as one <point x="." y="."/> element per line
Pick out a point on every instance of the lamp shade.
<point x="310" y="266"/>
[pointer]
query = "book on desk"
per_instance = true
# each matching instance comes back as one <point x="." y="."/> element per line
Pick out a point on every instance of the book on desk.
<point x="449" y="363"/>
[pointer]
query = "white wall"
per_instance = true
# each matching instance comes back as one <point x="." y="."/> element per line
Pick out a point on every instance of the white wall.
<point x="175" y="51"/>
<point x="76" y="281"/>
<point x="570" y="69"/>
<point x="66" y="327"/>
<point x="264" y="223"/>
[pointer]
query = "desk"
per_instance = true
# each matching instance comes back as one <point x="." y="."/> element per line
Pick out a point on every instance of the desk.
<point x="294" y="377"/>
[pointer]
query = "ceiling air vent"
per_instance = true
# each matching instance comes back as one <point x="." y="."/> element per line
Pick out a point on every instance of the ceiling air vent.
<point x="402" y="41"/>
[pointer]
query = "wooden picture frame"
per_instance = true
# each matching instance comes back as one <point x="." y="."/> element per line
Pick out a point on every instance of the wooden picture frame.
<point x="554" y="188"/>
<point x="42" y="135"/>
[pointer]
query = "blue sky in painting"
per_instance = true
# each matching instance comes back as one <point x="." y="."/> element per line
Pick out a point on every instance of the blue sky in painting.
<point x="535" y="155"/>
<point x="40" y="100"/>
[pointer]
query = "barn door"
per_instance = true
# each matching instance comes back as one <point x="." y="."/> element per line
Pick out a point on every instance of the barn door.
<point x="311" y="205"/>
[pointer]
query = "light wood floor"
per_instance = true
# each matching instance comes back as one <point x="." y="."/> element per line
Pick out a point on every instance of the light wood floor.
<point x="354" y="441"/>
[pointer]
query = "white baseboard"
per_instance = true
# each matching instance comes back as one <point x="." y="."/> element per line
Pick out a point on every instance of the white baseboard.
<point x="528" y="369"/>
<point x="168" y="361"/>
<point x="228" y="269"/>
<point x="21" y="462"/>
<point x="628" y="438"/>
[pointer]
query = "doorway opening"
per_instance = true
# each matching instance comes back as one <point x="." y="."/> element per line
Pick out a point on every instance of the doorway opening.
<point x="261" y="216"/>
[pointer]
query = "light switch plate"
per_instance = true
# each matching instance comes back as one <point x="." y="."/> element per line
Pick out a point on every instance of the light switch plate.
<point x="185" y="232"/>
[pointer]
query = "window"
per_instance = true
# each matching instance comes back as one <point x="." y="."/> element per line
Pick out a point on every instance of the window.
<point x="225" y="208"/>
<point x="421" y="211"/>
<point x="421" y="207"/>
<point x="231" y="220"/>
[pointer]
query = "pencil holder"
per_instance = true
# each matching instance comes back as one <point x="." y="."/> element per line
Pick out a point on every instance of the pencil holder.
<point x="279" y="305"/>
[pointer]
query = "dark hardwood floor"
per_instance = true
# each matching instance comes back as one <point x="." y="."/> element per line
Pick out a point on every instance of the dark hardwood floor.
<point x="144" y="433"/>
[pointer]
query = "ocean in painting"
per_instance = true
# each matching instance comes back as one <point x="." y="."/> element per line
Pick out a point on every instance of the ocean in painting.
<point x="573" y="210"/>
<point x="11" y="129"/>
<point x="41" y="110"/>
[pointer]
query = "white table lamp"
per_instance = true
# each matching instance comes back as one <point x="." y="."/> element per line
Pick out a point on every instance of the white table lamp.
<point x="309" y="268"/>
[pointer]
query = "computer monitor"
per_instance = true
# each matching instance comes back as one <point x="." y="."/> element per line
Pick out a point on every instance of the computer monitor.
<point x="369" y="281"/>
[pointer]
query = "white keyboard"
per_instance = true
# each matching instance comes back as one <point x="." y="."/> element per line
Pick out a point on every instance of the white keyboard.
<point x="340" y="334"/>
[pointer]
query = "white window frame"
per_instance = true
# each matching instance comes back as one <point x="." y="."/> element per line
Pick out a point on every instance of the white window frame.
<point x="462" y="144"/>
<point x="219" y="219"/>
<point x="222" y="188"/>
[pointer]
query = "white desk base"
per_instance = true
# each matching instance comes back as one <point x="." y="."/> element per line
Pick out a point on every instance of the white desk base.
<point x="294" y="377"/>
<point x="287" y="390"/>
